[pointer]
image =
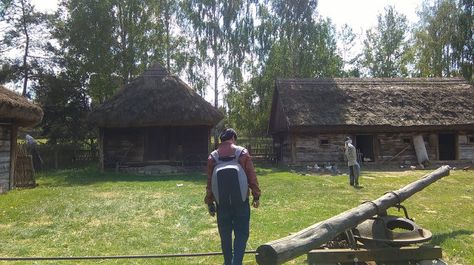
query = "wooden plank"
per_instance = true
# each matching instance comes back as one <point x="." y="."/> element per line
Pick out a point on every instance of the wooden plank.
<point x="4" y="167"/>
<point x="5" y="132"/>
<point x="4" y="146"/>
<point x="378" y="255"/>
<point x="5" y="158"/>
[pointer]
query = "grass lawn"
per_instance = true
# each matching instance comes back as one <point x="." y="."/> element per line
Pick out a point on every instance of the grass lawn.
<point x="87" y="213"/>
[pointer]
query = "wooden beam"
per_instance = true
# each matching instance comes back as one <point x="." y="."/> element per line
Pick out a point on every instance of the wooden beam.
<point x="324" y="256"/>
<point x="300" y="243"/>
<point x="13" y="154"/>
<point x="100" y="143"/>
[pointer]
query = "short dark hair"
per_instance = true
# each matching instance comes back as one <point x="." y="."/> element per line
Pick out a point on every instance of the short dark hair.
<point x="227" y="134"/>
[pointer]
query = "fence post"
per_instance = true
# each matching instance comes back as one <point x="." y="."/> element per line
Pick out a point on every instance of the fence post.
<point x="55" y="157"/>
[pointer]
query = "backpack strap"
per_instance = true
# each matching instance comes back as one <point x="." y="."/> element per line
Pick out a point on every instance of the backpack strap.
<point x="215" y="156"/>
<point x="238" y="152"/>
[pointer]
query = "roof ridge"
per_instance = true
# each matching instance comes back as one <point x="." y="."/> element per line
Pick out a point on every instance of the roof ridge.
<point x="365" y="80"/>
<point x="156" y="70"/>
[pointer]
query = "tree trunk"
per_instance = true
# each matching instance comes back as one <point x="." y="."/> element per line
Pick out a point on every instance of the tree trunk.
<point x="290" y="247"/>
<point x="168" y="41"/>
<point x="27" y="46"/>
<point x="216" y="66"/>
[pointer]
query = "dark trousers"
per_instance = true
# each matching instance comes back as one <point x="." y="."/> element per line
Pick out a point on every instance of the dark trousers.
<point x="236" y="218"/>
<point x="354" y="172"/>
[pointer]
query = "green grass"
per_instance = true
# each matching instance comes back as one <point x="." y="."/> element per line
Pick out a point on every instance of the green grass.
<point x="87" y="213"/>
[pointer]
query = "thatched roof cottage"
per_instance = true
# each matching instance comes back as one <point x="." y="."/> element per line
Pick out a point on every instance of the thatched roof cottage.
<point x="389" y="119"/>
<point x="15" y="111"/>
<point x="155" y="119"/>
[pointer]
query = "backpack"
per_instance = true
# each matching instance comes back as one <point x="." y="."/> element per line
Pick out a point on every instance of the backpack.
<point x="229" y="182"/>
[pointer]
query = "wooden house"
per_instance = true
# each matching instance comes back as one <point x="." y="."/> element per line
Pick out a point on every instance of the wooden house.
<point x="310" y="119"/>
<point x="15" y="111"/>
<point x="156" y="119"/>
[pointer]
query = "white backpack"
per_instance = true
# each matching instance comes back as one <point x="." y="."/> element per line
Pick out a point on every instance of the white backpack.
<point x="229" y="182"/>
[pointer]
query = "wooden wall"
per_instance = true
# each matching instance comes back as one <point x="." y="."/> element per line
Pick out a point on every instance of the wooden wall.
<point x="122" y="145"/>
<point x="150" y="145"/>
<point x="308" y="149"/>
<point x="396" y="147"/>
<point x="5" y="157"/>
<point x="466" y="145"/>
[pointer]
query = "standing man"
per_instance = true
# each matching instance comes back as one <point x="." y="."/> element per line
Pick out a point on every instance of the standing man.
<point x="230" y="174"/>
<point x="354" y="168"/>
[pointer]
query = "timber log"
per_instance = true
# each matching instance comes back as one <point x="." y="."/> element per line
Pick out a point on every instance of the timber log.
<point x="287" y="248"/>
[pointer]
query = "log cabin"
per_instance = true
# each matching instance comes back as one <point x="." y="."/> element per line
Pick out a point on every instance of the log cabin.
<point x="156" y="119"/>
<point x="15" y="112"/>
<point x="387" y="119"/>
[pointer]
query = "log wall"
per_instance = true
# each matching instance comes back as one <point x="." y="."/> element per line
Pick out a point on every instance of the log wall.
<point x="180" y="145"/>
<point x="466" y="146"/>
<point x="122" y="145"/>
<point x="5" y="158"/>
<point x="308" y="149"/>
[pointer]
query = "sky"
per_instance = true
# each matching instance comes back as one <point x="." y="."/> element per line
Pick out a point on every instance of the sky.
<point x="361" y="15"/>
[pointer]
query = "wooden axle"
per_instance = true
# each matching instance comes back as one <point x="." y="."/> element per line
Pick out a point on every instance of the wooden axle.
<point x="387" y="254"/>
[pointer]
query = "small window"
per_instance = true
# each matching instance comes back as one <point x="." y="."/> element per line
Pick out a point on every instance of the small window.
<point x="323" y="142"/>
<point x="406" y="140"/>
<point x="470" y="139"/>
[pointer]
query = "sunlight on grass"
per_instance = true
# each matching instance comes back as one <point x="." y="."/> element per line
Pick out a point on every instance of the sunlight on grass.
<point x="85" y="212"/>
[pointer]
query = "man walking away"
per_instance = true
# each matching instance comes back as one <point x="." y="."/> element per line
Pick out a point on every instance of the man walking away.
<point x="354" y="168"/>
<point x="230" y="174"/>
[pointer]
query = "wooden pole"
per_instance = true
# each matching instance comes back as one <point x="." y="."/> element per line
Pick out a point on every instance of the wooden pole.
<point x="290" y="247"/>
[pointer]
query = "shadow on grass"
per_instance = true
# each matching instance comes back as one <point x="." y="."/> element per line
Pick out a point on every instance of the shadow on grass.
<point x="91" y="175"/>
<point x="440" y="238"/>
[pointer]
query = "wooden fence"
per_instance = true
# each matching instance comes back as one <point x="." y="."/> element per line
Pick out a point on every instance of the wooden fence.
<point x="69" y="156"/>
<point x="261" y="149"/>
<point x="24" y="175"/>
<point x="65" y="156"/>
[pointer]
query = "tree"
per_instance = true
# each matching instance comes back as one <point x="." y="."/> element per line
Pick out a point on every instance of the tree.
<point x="22" y="35"/>
<point x="110" y="42"/>
<point x="465" y="41"/>
<point x="385" y="46"/>
<point x="444" y="39"/>
<point x="65" y="105"/>
<point x="290" y="44"/>
<point x="346" y="50"/>
<point x="86" y="34"/>
<point x="221" y="30"/>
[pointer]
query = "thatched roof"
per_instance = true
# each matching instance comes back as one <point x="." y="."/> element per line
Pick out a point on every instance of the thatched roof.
<point x="375" y="102"/>
<point x="18" y="110"/>
<point x="155" y="98"/>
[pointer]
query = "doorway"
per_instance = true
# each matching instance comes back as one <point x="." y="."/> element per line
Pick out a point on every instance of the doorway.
<point x="447" y="146"/>
<point x="365" y="145"/>
<point x="157" y="144"/>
